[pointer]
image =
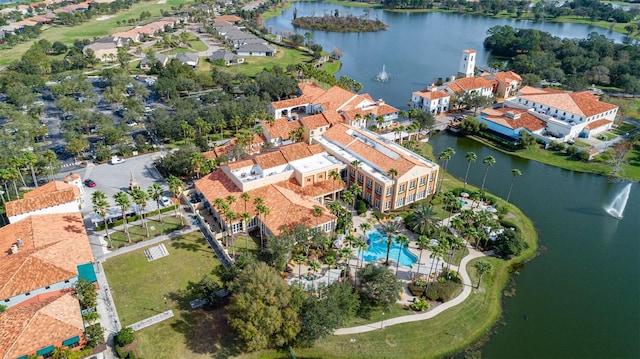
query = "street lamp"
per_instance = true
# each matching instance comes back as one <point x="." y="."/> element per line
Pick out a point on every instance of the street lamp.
<point x="165" y="303"/>
<point x="382" y="322"/>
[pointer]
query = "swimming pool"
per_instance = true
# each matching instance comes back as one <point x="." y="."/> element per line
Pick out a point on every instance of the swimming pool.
<point x="462" y="202"/>
<point x="378" y="250"/>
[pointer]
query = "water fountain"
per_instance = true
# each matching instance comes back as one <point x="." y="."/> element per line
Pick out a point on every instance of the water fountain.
<point x="616" y="207"/>
<point x="383" y="76"/>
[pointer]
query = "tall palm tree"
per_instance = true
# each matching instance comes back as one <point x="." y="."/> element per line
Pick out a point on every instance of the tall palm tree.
<point x="18" y="163"/>
<point x="357" y="191"/>
<point x="30" y="159"/>
<point x="231" y="216"/>
<point x="122" y="200"/>
<point x="393" y="173"/>
<point x="364" y="227"/>
<point x="246" y="218"/>
<point x="176" y="186"/>
<point x="140" y="198"/>
<point x="230" y="199"/>
<point x="445" y="156"/>
<point x="317" y="213"/>
<point x="246" y="196"/>
<point x="515" y="173"/>
<point x="100" y="205"/>
<point x="437" y="253"/>
<point x="389" y="228"/>
<point x="334" y="175"/>
<point x="50" y="157"/>
<point x="470" y="157"/>
<point x="155" y="192"/>
<point x="300" y="260"/>
<point x="489" y="161"/>
<point x="481" y="267"/>
<point x="403" y="242"/>
<point x="12" y="174"/>
<point x="361" y="246"/>
<point x="422" y="242"/>
<point x="330" y="260"/>
<point x="348" y="197"/>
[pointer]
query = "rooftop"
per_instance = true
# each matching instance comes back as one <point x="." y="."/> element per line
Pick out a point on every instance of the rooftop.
<point x="49" y="195"/>
<point x="580" y="103"/>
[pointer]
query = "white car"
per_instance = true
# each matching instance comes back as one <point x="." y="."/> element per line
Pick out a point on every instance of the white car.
<point x="116" y="160"/>
<point x="166" y="202"/>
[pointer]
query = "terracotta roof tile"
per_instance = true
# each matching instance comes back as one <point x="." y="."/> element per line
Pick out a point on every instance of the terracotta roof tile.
<point x="505" y="117"/>
<point x="24" y="329"/>
<point x="507" y="77"/>
<point x="598" y="123"/>
<point x="314" y="121"/>
<point x="473" y="83"/>
<point x="270" y="160"/>
<point x="281" y="128"/>
<point x="229" y="18"/>
<point x="432" y="95"/>
<point x="240" y="164"/>
<point x="53" y="246"/>
<point x="49" y="195"/>
<point x="579" y="103"/>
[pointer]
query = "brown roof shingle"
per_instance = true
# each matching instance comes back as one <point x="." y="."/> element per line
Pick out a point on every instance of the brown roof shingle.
<point x="51" y="194"/>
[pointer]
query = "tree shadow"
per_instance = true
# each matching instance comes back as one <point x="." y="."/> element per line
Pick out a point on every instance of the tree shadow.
<point x="208" y="332"/>
<point x="199" y="244"/>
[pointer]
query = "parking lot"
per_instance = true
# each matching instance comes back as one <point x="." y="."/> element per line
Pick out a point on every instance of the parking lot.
<point x="111" y="179"/>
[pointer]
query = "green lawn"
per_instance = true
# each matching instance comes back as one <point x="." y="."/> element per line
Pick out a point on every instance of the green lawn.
<point x="283" y="57"/>
<point x="138" y="233"/>
<point x="91" y="28"/>
<point x="138" y="288"/>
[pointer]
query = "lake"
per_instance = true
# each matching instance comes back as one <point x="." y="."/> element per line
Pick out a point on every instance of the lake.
<point x="417" y="48"/>
<point x="581" y="297"/>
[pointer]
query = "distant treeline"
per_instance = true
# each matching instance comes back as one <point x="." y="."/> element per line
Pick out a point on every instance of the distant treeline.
<point x="339" y="23"/>
<point x="576" y="63"/>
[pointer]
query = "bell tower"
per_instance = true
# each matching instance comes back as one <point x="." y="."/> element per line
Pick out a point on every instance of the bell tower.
<point x="467" y="63"/>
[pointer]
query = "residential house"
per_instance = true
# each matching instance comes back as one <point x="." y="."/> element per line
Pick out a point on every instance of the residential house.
<point x="53" y="197"/>
<point x="567" y="114"/>
<point x="147" y="63"/>
<point x="232" y="19"/>
<point x="390" y="175"/>
<point x="38" y="327"/>
<point x="432" y="100"/>
<point x="507" y="83"/>
<point x="188" y="58"/>
<point x="103" y="51"/>
<point x="255" y="49"/>
<point x="292" y="180"/>
<point x="229" y="58"/>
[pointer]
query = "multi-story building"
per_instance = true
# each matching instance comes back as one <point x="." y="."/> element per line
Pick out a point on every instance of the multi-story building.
<point x="53" y="197"/>
<point x="432" y="100"/>
<point x="390" y="175"/>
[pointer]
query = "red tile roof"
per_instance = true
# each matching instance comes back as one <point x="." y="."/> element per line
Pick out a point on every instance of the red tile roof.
<point x="505" y="117"/>
<point x="281" y="128"/>
<point x="507" y="77"/>
<point x="24" y="329"/>
<point x="579" y="103"/>
<point x="598" y="123"/>
<point x="49" y="195"/>
<point x="432" y="95"/>
<point x="473" y="83"/>
<point x="314" y="121"/>
<point x="270" y="160"/>
<point x="53" y="246"/>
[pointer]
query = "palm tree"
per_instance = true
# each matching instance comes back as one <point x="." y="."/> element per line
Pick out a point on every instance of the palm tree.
<point x="389" y="228"/>
<point x="12" y="174"/>
<point x="403" y="241"/>
<point x="314" y="266"/>
<point x="515" y="173"/>
<point x="31" y="160"/>
<point x="230" y="199"/>
<point x="470" y="157"/>
<point x="329" y="260"/>
<point x="317" y="213"/>
<point x="445" y="156"/>
<point x="481" y="267"/>
<point x="122" y="200"/>
<point x="361" y="246"/>
<point x="245" y="197"/>
<point x="300" y="259"/>
<point x="422" y="242"/>
<point x="50" y="157"/>
<point x="489" y="161"/>
<point x="176" y="186"/>
<point x="393" y="173"/>
<point x="334" y="175"/>
<point x="246" y="218"/>
<point x="437" y="253"/>
<point x="155" y="193"/>
<point x="421" y="220"/>
<point x="100" y="205"/>
<point x="348" y="197"/>
<point x="364" y="227"/>
<point x="231" y="216"/>
<point x="18" y="163"/>
<point x="140" y="198"/>
<point x="357" y="191"/>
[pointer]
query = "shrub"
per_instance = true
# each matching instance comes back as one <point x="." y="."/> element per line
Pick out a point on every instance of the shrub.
<point x="361" y="207"/>
<point x="378" y="214"/>
<point x="94" y="335"/>
<point x="419" y="305"/>
<point x="125" y="337"/>
<point x="443" y="292"/>
<point x="583" y="155"/>
<point x="417" y="288"/>
<point x="508" y="224"/>
<point x="511" y="243"/>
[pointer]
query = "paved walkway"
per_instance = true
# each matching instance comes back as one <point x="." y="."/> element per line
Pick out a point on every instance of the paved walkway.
<point x="466" y="291"/>
<point x="152" y="320"/>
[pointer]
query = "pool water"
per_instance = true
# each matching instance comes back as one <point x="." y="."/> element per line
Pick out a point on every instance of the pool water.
<point x="378" y="250"/>
<point x="462" y="202"/>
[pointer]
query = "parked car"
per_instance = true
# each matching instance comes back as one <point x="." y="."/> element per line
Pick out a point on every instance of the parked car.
<point x="165" y="201"/>
<point x="116" y="160"/>
<point x="89" y="183"/>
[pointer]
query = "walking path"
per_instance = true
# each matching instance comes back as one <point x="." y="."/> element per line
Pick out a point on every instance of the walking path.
<point x="152" y="320"/>
<point x="466" y="291"/>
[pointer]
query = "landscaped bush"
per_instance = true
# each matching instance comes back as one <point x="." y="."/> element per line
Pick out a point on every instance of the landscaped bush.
<point x="443" y="292"/>
<point x="417" y="288"/>
<point x="508" y="224"/>
<point x="94" y="335"/>
<point x="419" y="305"/>
<point x="511" y="243"/>
<point x="378" y="214"/>
<point x="361" y="207"/>
<point x="125" y="337"/>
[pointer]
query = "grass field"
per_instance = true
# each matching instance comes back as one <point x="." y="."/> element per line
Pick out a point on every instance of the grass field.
<point x="283" y="57"/>
<point x="139" y="288"/>
<point x="90" y="29"/>
<point x="138" y="233"/>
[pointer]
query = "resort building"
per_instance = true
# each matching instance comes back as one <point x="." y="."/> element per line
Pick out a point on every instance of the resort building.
<point x="43" y="254"/>
<point x="53" y="197"/>
<point x="292" y="181"/>
<point x="390" y="175"/>
<point x="510" y="122"/>
<point x="38" y="327"/>
<point x="432" y="100"/>
<point x="567" y="115"/>
<point x="506" y="84"/>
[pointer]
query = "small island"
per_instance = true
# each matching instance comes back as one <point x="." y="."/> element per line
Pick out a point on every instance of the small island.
<point x="338" y="23"/>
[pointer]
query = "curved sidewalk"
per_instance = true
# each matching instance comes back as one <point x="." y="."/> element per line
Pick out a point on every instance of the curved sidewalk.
<point x="466" y="291"/>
